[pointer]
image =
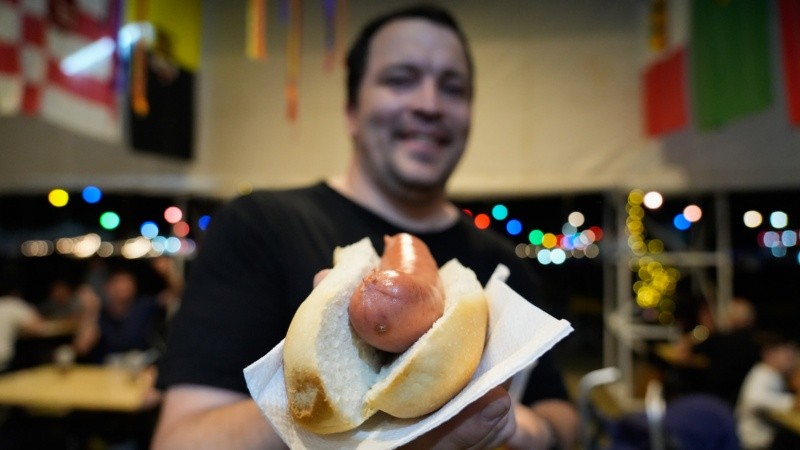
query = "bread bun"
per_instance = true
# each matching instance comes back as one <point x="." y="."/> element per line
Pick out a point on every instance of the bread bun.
<point x="335" y="381"/>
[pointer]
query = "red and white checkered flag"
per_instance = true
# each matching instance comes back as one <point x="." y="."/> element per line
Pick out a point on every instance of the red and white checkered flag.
<point x="58" y="61"/>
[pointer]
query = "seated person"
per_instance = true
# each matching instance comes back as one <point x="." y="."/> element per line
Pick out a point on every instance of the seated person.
<point x="126" y="321"/>
<point x="691" y="421"/>
<point x="730" y="352"/>
<point x="61" y="301"/>
<point x="16" y="317"/>
<point x="765" y="389"/>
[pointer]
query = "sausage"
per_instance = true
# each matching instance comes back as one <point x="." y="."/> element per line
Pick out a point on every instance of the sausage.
<point x="400" y="300"/>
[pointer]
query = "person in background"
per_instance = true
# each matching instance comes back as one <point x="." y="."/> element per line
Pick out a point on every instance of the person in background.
<point x="731" y="351"/>
<point x="765" y="389"/>
<point x="409" y="102"/>
<point x="61" y="301"/>
<point x="17" y="318"/>
<point x="126" y="319"/>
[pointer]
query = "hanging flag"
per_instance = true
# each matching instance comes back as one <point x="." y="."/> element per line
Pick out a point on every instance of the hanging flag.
<point x="11" y="44"/>
<point x="663" y="79"/>
<point x="730" y="62"/>
<point x="790" y="45"/>
<point x="658" y="25"/>
<point x="256" y="45"/>
<point x="665" y="94"/>
<point x="165" y="57"/>
<point x="57" y="62"/>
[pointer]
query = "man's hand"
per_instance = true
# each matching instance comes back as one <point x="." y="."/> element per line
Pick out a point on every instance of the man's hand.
<point x="485" y="424"/>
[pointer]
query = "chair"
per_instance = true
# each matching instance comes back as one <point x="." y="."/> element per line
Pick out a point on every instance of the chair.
<point x="655" y="410"/>
<point x="589" y="417"/>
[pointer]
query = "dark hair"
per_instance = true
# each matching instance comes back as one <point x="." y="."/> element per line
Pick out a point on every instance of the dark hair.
<point x="769" y="339"/>
<point x="357" y="55"/>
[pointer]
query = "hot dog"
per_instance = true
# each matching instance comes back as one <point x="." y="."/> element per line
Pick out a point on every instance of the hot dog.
<point x="335" y="380"/>
<point x="398" y="302"/>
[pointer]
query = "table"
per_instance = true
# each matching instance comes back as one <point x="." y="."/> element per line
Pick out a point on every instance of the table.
<point x="789" y="420"/>
<point x="81" y="387"/>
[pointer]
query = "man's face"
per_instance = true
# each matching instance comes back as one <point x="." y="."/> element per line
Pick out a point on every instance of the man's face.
<point x="121" y="288"/>
<point x="412" y="118"/>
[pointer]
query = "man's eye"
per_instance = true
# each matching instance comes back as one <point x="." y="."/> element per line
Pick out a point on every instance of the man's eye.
<point x="460" y="90"/>
<point x="398" y="80"/>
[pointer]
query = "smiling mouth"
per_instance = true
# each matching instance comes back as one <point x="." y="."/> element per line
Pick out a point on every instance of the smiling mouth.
<point x="424" y="139"/>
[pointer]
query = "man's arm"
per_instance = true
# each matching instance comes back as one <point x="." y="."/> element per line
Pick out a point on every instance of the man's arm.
<point x="199" y="418"/>
<point x="546" y="424"/>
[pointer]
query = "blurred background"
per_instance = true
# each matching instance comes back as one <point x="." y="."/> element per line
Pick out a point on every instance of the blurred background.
<point x="640" y="154"/>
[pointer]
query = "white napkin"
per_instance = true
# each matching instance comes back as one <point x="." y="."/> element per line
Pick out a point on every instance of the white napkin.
<point x="519" y="334"/>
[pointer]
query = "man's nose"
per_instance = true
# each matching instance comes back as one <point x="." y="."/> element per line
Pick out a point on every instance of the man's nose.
<point x="426" y="100"/>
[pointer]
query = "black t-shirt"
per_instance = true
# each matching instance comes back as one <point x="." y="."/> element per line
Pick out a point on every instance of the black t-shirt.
<point x="257" y="264"/>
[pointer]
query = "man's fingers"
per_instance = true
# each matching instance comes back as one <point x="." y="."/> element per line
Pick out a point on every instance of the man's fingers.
<point x="486" y="423"/>
<point x="320" y="275"/>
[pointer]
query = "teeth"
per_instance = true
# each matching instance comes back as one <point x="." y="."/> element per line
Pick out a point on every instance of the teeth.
<point x="424" y="138"/>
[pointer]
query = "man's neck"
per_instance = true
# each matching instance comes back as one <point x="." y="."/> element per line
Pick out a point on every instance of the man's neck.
<point x="431" y="213"/>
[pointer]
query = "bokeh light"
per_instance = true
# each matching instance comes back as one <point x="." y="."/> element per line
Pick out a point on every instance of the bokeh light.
<point x="576" y="219"/>
<point x="653" y="200"/>
<point x="180" y="229"/>
<point x="778" y="219"/>
<point x="558" y="256"/>
<point x="173" y="214"/>
<point x="58" y="197"/>
<point x="568" y="228"/>
<point x="482" y="221"/>
<point x="514" y="227"/>
<point x="692" y="213"/>
<point x="205" y="220"/>
<point x="149" y="229"/>
<point x="543" y="257"/>
<point x="535" y="237"/>
<point x="92" y="194"/>
<point x="680" y="222"/>
<point x="598" y="232"/>
<point x="499" y="212"/>
<point x="549" y="240"/>
<point x="173" y="245"/>
<point x="789" y="238"/>
<point x="109" y="220"/>
<point x="752" y="219"/>
<point x="636" y="197"/>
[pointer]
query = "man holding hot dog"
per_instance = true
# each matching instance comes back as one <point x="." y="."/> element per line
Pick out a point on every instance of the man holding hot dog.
<point x="410" y="88"/>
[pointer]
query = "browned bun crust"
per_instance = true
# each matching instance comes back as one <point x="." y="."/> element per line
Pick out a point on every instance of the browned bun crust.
<point x="332" y="377"/>
<point x="327" y="370"/>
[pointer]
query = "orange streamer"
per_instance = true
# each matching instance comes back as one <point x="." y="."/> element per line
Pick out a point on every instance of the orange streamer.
<point x="256" y="45"/>
<point x="139" y="103"/>
<point x="335" y="54"/>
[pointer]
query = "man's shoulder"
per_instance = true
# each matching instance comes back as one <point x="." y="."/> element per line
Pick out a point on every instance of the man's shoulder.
<point x="287" y="197"/>
<point x="272" y="205"/>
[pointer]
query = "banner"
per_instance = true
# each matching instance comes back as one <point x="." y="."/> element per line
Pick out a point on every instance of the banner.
<point x="790" y="44"/>
<point x="58" y="62"/>
<point x="663" y="80"/>
<point x="164" y="58"/>
<point x="730" y="60"/>
<point x="665" y="94"/>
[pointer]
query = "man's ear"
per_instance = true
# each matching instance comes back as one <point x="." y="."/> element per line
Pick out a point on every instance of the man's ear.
<point x="350" y="112"/>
